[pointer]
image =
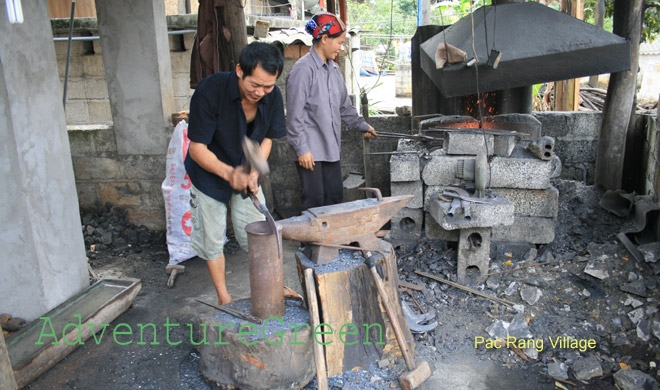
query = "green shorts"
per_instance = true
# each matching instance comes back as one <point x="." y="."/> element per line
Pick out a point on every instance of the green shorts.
<point x="209" y="221"/>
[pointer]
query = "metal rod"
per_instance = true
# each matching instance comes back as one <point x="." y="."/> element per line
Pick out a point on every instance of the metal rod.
<point x="96" y="37"/>
<point x="234" y="312"/>
<point x="470" y="290"/>
<point x="68" y="53"/>
<point x="355" y="248"/>
<point x="476" y="130"/>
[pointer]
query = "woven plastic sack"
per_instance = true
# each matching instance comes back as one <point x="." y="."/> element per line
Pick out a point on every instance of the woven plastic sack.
<point x="176" y="192"/>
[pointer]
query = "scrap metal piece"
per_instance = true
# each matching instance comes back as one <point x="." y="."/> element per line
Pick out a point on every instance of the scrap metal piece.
<point x="418" y="318"/>
<point x="234" y="312"/>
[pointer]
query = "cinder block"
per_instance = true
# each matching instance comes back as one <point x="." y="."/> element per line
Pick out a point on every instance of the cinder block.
<point x="504" y="145"/>
<point x="99" y="111"/>
<point x="93" y="168"/>
<point x="75" y="67"/>
<point x="497" y="212"/>
<point x="534" y="230"/>
<point x="462" y="143"/>
<point x="404" y="167"/>
<point x="80" y="143"/>
<point x="93" y="65"/>
<point x="96" y="88"/>
<point x="407" y="145"/>
<point x="473" y="251"/>
<point x="520" y="170"/>
<point x="75" y="89"/>
<point x="96" y="46"/>
<point x="180" y="61"/>
<point x="532" y="203"/>
<point x="88" y="195"/>
<point x="409" y="188"/>
<point x="407" y="224"/>
<point x="181" y="85"/>
<point x="181" y="104"/>
<point x="76" y="111"/>
<point x="440" y="170"/>
<point x="142" y="167"/>
<point x="434" y="231"/>
<point x="104" y="139"/>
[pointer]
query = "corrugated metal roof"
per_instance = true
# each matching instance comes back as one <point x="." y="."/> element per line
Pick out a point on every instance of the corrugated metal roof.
<point x="288" y="36"/>
<point x="650" y="48"/>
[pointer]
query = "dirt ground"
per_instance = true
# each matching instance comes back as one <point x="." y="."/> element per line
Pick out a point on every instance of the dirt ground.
<point x="556" y="301"/>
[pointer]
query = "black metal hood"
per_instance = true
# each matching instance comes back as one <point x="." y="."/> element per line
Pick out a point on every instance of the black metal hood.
<point x="537" y="43"/>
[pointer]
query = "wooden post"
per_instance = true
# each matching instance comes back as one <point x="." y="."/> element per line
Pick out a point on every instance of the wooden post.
<point x="235" y="22"/>
<point x="567" y="92"/>
<point x="619" y="99"/>
<point x="350" y="304"/>
<point x="599" y="18"/>
<point x="425" y="11"/>
<point x="7" y="380"/>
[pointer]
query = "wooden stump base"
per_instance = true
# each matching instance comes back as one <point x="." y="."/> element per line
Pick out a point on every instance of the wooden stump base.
<point x="277" y="356"/>
<point x="358" y="332"/>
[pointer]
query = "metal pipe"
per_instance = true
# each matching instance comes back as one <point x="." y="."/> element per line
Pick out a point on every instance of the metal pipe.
<point x="68" y="52"/>
<point x="96" y="37"/>
<point x="266" y="271"/>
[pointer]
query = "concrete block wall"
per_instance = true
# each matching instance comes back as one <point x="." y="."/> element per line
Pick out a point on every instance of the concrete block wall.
<point x="576" y="141"/>
<point x="131" y="182"/>
<point x="87" y="91"/>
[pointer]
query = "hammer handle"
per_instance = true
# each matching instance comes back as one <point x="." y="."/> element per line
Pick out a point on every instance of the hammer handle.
<point x="400" y="338"/>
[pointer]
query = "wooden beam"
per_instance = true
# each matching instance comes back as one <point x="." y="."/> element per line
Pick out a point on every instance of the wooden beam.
<point x="234" y="19"/>
<point x="567" y="92"/>
<point x="7" y="380"/>
<point x="599" y="18"/>
<point x="620" y="98"/>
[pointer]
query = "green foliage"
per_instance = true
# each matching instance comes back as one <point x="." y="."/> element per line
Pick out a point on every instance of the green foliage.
<point x="651" y="27"/>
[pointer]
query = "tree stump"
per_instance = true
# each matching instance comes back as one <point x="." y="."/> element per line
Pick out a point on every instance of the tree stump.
<point x="359" y="331"/>
<point x="279" y="356"/>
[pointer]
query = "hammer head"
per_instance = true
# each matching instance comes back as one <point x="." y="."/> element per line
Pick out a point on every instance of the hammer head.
<point x="415" y="378"/>
<point x="254" y="158"/>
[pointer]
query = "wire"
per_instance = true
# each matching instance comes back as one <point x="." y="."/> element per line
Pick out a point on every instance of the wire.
<point x="444" y="36"/>
<point x="485" y="28"/>
<point x="494" y="24"/>
<point x="479" y="100"/>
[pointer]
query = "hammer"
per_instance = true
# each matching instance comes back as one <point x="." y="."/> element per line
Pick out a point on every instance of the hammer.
<point x="254" y="158"/>
<point x="415" y="376"/>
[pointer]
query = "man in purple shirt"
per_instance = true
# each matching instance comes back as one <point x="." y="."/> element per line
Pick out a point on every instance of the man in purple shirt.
<point x="317" y="102"/>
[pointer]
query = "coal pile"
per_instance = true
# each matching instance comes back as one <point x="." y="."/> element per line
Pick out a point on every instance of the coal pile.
<point x="108" y="232"/>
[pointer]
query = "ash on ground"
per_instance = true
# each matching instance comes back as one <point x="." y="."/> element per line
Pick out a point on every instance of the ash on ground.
<point x="590" y="289"/>
<point x="588" y="313"/>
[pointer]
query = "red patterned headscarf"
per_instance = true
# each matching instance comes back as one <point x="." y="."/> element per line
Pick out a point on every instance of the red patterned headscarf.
<point x="325" y="23"/>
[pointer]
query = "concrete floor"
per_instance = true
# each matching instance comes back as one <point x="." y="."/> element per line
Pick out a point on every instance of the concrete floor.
<point x="174" y="362"/>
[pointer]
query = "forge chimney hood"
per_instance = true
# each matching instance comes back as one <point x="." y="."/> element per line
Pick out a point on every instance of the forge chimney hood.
<point x="538" y="44"/>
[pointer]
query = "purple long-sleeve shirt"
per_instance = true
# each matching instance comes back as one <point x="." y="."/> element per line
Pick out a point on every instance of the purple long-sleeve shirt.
<point x="317" y="102"/>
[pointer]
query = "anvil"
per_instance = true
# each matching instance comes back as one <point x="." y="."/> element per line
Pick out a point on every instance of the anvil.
<point x="342" y="224"/>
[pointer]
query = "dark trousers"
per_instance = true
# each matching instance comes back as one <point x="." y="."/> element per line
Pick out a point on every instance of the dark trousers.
<point x="322" y="186"/>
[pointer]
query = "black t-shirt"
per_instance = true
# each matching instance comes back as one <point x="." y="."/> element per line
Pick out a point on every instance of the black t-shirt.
<point x="217" y="120"/>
